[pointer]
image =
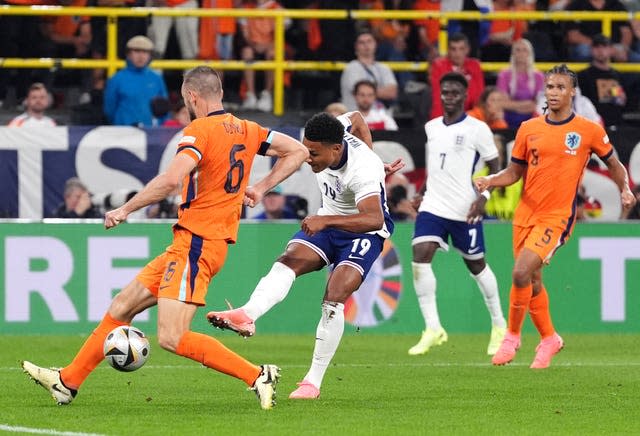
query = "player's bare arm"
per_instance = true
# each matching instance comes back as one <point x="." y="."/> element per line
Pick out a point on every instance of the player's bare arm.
<point x="476" y="210"/>
<point x="157" y="189"/>
<point x="368" y="219"/>
<point x="290" y="153"/>
<point x="359" y="128"/>
<point x="619" y="175"/>
<point x="508" y="176"/>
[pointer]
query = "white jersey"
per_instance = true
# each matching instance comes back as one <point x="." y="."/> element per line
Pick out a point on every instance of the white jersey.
<point x="26" y="120"/>
<point x="359" y="175"/>
<point x="452" y="152"/>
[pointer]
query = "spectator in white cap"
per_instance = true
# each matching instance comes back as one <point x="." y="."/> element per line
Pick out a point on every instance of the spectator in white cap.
<point x="128" y="94"/>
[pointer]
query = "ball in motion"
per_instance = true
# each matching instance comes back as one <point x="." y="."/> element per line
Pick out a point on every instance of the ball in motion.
<point x="126" y="348"/>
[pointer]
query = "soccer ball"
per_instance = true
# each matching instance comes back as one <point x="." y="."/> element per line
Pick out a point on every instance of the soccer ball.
<point x="126" y="348"/>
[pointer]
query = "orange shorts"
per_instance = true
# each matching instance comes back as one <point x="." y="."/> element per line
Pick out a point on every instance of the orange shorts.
<point x="184" y="270"/>
<point x="543" y="239"/>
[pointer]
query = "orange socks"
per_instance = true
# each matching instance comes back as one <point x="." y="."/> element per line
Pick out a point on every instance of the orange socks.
<point x="540" y="315"/>
<point x="90" y="355"/>
<point x="214" y="355"/>
<point x="518" y="305"/>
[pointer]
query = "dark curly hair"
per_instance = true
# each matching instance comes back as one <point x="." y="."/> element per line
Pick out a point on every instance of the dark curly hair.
<point x="564" y="70"/>
<point x="324" y="128"/>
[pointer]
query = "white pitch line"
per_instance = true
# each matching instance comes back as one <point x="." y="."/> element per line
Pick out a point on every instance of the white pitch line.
<point x="18" y="429"/>
<point x="408" y="365"/>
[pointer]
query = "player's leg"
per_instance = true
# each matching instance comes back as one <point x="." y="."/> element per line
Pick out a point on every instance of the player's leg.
<point x="468" y="239"/>
<point x="550" y="342"/>
<point x="64" y="384"/>
<point x="302" y="255"/>
<point x="430" y="234"/>
<point x="192" y="262"/>
<point x="488" y="286"/>
<point x="354" y="258"/>
<point x="344" y="280"/>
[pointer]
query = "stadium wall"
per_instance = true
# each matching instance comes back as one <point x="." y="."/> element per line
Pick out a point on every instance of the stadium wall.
<point x="60" y="278"/>
<point x="34" y="164"/>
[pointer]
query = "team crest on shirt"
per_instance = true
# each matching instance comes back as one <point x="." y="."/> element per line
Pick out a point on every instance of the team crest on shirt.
<point x="572" y="142"/>
<point x="459" y="140"/>
<point x="338" y="186"/>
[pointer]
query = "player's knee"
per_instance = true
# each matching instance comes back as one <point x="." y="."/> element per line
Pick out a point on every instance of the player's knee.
<point x="521" y="277"/>
<point x="168" y="339"/>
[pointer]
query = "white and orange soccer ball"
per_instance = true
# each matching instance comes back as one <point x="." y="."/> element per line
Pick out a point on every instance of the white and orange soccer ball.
<point x="126" y="348"/>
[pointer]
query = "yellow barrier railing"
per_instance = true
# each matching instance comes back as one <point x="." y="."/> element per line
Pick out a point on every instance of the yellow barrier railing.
<point x="279" y="65"/>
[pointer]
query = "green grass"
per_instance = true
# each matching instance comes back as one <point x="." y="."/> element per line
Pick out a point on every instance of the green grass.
<point x="372" y="387"/>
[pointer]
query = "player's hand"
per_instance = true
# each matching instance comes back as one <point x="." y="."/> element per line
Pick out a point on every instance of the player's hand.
<point x="628" y="199"/>
<point x="394" y="166"/>
<point x="313" y="224"/>
<point x="114" y="217"/>
<point x="252" y="196"/>
<point x="482" y="183"/>
<point x="476" y="211"/>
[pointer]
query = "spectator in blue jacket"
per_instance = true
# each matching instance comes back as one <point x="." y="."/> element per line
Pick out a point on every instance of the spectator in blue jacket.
<point x="128" y="94"/>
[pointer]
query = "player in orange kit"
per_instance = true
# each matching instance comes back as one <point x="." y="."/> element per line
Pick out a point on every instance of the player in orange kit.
<point x="212" y="163"/>
<point x="551" y="153"/>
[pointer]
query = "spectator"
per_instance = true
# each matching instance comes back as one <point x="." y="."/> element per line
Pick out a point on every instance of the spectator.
<point x="399" y="190"/>
<point x="602" y="84"/>
<point x="374" y="112"/>
<point x="216" y="34"/>
<point x="391" y="36"/>
<point x="424" y="43"/>
<point x="259" y="43"/>
<point x="364" y="66"/>
<point x="128" y="94"/>
<point x="634" y="212"/>
<point x="128" y="27"/>
<point x="186" y="28"/>
<point x="21" y="37"/>
<point x="457" y="60"/>
<point x="580" y="33"/>
<point x="77" y="201"/>
<point x="502" y="33"/>
<point x="36" y="103"/>
<point x="179" y="116"/>
<point x="69" y="37"/>
<point x="522" y="83"/>
<point x="587" y="206"/>
<point x="276" y="207"/>
<point x="490" y="108"/>
<point x="478" y="31"/>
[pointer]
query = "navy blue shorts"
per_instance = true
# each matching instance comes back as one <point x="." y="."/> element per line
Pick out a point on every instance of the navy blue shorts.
<point x="467" y="238"/>
<point x="337" y="247"/>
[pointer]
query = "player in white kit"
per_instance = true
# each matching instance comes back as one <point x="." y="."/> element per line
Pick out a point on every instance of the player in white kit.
<point x="348" y="232"/>
<point x="452" y="208"/>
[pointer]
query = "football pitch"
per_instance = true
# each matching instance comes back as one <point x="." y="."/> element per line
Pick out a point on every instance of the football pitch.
<point x="372" y="387"/>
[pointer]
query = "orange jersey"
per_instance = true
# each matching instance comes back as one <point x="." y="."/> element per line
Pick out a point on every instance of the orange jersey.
<point x="224" y="148"/>
<point x="555" y="156"/>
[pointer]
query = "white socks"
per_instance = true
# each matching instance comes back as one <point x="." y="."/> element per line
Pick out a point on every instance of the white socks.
<point x="328" y="336"/>
<point x="271" y="290"/>
<point x="424" y="282"/>
<point x="489" y="288"/>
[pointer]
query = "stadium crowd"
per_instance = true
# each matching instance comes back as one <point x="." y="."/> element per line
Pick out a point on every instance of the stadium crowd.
<point x="389" y="99"/>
